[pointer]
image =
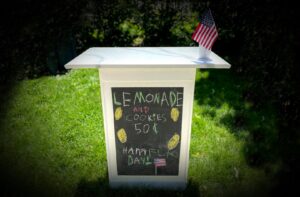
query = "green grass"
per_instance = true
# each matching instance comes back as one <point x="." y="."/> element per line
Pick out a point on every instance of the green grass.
<point x="52" y="139"/>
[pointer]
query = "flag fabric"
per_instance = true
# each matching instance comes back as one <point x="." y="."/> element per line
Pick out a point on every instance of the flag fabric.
<point x="206" y="31"/>
<point x="160" y="162"/>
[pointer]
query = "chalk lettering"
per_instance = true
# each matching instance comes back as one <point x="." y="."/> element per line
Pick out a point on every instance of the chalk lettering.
<point x="144" y="109"/>
<point x="145" y="128"/>
<point x="155" y="128"/>
<point x="129" y="117"/>
<point x="164" y="99"/>
<point x="152" y="151"/>
<point x="164" y="117"/>
<point x="124" y="150"/>
<point x="146" y="118"/>
<point x="148" y="162"/>
<point x="149" y="98"/>
<point x="150" y="118"/>
<point x="172" y="98"/>
<point x="137" y="128"/>
<point x="140" y="97"/>
<point x="133" y="153"/>
<point x="125" y="99"/>
<point x="143" y="117"/>
<point x="136" y="161"/>
<point x="130" y="160"/>
<point x="115" y="100"/>
<point x="136" y="109"/>
<point x="156" y="99"/>
<point x="130" y="151"/>
<point x="136" y="117"/>
<point x="140" y="151"/>
<point x="179" y="99"/>
<point x="172" y="154"/>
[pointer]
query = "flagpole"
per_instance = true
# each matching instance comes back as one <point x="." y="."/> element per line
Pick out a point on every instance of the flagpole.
<point x="204" y="53"/>
<point x="199" y="51"/>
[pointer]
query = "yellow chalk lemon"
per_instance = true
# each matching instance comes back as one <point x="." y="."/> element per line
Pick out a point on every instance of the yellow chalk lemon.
<point x="174" y="114"/>
<point x="173" y="142"/>
<point x="122" y="136"/>
<point x="118" y="113"/>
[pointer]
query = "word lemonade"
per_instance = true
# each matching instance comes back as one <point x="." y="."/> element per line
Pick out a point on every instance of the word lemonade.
<point x="147" y="130"/>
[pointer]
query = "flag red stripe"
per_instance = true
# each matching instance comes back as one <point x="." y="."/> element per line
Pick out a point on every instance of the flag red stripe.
<point x="204" y="37"/>
<point x="208" y="36"/>
<point x="199" y="32"/>
<point x="212" y="40"/>
<point x="211" y="34"/>
<point x="196" y="31"/>
<point x="203" y="33"/>
<point x="160" y="162"/>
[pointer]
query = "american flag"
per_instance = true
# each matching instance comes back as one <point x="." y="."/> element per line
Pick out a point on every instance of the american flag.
<point x="206" y="31"/>
<point x="160" y="162"/>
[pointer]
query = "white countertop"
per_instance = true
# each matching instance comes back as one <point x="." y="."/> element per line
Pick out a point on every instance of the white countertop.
<point x="145" y="57"/>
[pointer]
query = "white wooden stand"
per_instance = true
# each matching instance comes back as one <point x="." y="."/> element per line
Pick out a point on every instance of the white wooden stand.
<point x="146" y="67"/>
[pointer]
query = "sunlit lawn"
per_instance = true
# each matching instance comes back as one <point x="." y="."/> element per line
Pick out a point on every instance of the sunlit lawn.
<point x="52" y="139"/>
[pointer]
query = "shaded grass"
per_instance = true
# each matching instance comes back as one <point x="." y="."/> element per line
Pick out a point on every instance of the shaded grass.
<point x="227" y="156"/>
<point x="52" y="139"/>
<point x="52" y="135"/>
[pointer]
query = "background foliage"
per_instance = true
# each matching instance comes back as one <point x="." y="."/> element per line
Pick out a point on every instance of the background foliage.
<point x="258" y="37"/>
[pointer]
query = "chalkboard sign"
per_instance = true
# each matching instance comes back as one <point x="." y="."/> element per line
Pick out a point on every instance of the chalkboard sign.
<point x="147" y="124"/>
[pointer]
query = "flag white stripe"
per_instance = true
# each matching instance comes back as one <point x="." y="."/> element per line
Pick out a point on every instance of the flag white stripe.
<point x="208" y="36"/>
<point x="212" y="34"/>
<point x="200" y="36"/>
<point x="203" y="34"/>
<point x="200" y="32"/>
<point x="196" y="31"/>
<point x="160" y="162"/>
<point x="212" y="41"/>
<point x="199" y="29"/>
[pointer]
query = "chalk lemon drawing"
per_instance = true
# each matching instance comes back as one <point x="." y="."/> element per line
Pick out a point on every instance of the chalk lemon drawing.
<point x="122" y="136"/>
<point x="174" y="114"/>
<point x="118" y="113"/>
<point x="173" y="142"/>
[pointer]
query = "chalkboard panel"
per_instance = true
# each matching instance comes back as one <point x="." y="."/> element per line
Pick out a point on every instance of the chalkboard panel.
<point x="147" y="125"/>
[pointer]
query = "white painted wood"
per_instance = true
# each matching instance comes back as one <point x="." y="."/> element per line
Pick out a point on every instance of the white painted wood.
<point x="146" y="67"/>
<point x="145" y="57"/>
<point x="179" y="77"/>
